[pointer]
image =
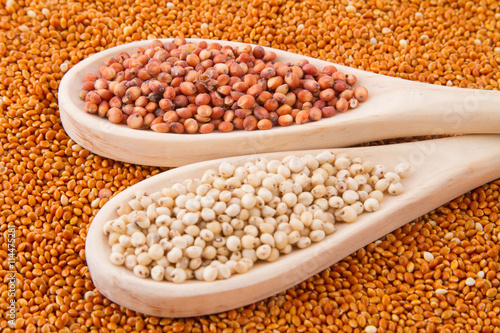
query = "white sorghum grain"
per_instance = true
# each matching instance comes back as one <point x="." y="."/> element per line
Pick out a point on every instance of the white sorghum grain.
<point x="117" y="258"/>
<point x="371" y="204"/>
<point x="392" y="177"/>
<point x="379" y="195"/>
<point x="178" y="275"/>
<point x="403" y="169"/>
<point x="144" y="259"/>
<point x="131" y="261"/>
<point x="317" y="235"/>
<point x="138" y="239"/>
<point x="156" y="251"/>
<point x="210" y="273"/>
<point x="303" y="242"/>
<point x="158" y="273"/>
<point x="174" y="255"/>
<point x="395" y="188"/>
<point x="348" y="214"/>
<point x="141" y="271"/>
<point x="223" y="272"/>
<point x="379" y="170"/>
<point x="382" y="184"/>
<point x="221" y="224"/>
<point x="342" y="162"/>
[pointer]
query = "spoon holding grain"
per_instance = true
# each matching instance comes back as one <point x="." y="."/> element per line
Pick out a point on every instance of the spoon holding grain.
<point x="394" y="108"/>
<point x="442" y="169"/>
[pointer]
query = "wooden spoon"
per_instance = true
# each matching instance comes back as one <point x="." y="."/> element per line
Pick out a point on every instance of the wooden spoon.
<point x="395" y="108"/>
<point x="442" y="169"/>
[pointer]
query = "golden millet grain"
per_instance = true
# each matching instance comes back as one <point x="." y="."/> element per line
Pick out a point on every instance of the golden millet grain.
<point x="50" y="187"/>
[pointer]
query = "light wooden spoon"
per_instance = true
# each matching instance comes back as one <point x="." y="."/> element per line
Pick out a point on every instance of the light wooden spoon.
<point x="442" y="169"/>
<point x="395" y="108"/>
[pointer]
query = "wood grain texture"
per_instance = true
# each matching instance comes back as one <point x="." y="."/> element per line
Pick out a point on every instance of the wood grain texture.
<point x="395" y="108"/>
<point x="442" y="169"/>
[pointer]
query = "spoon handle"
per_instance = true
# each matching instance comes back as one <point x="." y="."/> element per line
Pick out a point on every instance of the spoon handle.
<point x="425" y="109"/>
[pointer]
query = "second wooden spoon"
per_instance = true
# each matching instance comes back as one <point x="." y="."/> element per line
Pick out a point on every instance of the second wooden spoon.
<point x="442" y="170"/>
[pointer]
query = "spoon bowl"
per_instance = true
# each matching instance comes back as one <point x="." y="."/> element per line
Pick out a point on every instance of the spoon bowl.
<point x="442" y="169"/>
<point x="395" y="108"/>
